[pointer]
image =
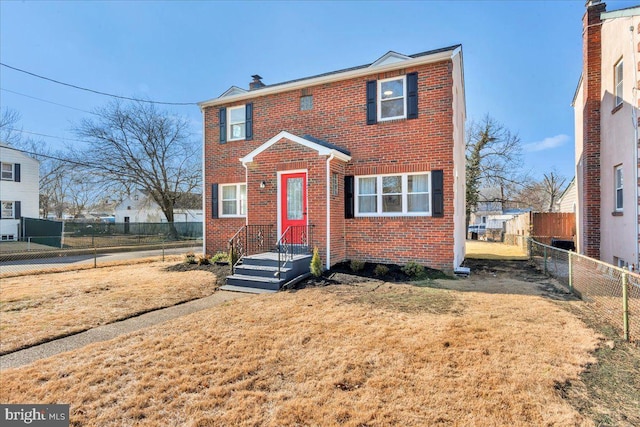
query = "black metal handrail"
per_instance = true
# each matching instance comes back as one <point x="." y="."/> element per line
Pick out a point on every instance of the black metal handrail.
<point x="295" y="240"/>
<point x="249" y="240"/>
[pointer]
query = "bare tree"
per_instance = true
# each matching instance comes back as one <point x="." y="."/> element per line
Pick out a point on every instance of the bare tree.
<point x="8" y="121"/>
<point x="494" y="160"/>
<point x="139" y="146"/>
<point x="553" y="186"/>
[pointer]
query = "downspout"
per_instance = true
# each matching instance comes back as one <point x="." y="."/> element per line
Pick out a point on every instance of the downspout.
<point x="634" y="119"/>
<point x="204" y="188"/>
<point x="246" y="181"/>
<point x="329" y="210"/>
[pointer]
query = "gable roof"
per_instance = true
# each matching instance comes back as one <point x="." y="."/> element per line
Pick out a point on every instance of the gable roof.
<point x="322" y="147"/>
<point x="233" y="90"/>
<point x="389" y="61"/>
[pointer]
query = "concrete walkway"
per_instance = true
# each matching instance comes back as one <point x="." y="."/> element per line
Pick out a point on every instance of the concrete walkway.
<point x="113" y="330"/>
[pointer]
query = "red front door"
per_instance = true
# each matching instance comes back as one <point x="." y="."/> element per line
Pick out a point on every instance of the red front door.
<point x="293" y="205"/>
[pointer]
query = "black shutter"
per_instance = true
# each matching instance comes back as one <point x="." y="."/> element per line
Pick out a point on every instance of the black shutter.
<point x="17" y="211"/>
<point x="222" y="120"/>
<point x="437" y="199"/>
<point x="16" y="172"/>
<point x="349" y="206"/>
<point x="372" y="115"/>
<point x="248" y="121"/>
<point x="412" y="96"/>
<point x="214" y="201"/>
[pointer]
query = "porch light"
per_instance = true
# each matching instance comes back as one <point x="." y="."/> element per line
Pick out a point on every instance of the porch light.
<point x="263" y="184"/>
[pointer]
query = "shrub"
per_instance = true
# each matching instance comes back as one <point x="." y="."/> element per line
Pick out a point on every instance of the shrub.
<point x="356" y="265"/>
<point x="190" y="258"/>
<point x="380" y="270"/>
<point x="316" y="263"/>
<point x="220" y="257"/>
<point x="204" y="259"/>
<point x="413" y="269"/>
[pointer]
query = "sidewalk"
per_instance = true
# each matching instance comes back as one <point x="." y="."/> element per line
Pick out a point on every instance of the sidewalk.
<point x="113" y="330"/>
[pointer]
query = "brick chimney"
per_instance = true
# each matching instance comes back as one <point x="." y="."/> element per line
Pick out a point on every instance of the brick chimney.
<point x="256" y="83"/>
<point x="591" y="75"/>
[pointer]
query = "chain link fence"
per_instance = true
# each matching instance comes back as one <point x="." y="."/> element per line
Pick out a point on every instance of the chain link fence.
<point x="83" y="245"/>
<point x="612" y="292"/>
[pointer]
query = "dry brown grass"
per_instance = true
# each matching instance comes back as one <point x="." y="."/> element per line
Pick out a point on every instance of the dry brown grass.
<point x="374" y="355"/>
<point x="38" y="308"/>
<point x="479" y="249"/>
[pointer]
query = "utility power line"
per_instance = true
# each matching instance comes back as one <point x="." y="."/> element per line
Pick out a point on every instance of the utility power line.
<point x="48" y="102"/>
<point x="93" y="90"/>
<point x="47" y="136"/>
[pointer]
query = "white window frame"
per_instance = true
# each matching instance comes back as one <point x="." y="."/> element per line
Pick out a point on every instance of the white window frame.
<point x="13" y="209"/>
<point x="618" y="187"/>
<point x="230" y="123"/>
<point x="3" y="172"/>
<point x="380" y="100"/>
<point x="241" y="204"/>
<point x="618" y="83"/>
<point x="379" y="194"/>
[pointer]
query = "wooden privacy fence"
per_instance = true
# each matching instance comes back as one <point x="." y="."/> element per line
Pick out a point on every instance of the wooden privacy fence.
<point x="548" y="225"/>
<point x="543" y="226"/>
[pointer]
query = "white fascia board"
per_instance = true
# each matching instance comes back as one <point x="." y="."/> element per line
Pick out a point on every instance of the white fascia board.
<point x="621" y="13"/>
<point x="428" y="59"/>
<point x="322" y="150"/>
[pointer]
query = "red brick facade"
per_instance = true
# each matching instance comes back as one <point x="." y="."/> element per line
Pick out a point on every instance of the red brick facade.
<point x="339" y="117"/>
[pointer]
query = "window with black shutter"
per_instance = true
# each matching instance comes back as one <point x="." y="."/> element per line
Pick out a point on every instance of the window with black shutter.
<point x="349" y="207"/>
<point x="412" y="95"/>
<point x="214" y="201"/>
<point x="222" y="121"/>
<point x="437" y="193"/>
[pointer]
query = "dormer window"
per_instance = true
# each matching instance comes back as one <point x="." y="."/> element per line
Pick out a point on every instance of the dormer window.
<point x="392" y="102"/>
<point x="237" y="122"/>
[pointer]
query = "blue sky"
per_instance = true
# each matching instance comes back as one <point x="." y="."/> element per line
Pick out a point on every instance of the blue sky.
<point x="522" y="58"/>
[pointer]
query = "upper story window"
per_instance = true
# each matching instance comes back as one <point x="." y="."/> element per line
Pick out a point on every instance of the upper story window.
<point x="392" y="100"/>
<point x="236" y="123"/>
<point x="234" y="199"/>
<point x="7" y="171"/>
<point x="618" y="188"/>
<point x="617" y="83"/>
<point x="393" y="195"/>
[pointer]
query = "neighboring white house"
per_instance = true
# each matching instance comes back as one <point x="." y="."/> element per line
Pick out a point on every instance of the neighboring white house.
<point x="568" y="199"/>
<point x="140" y="207"/>
<point x="606" y="128"/>
<point x="19" y="190"/>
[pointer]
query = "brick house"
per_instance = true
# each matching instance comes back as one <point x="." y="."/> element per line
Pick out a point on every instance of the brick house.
<point x="606" y="128"/>
<point x="369" y="162"/>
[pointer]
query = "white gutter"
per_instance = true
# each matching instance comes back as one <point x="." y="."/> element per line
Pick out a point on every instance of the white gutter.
<point x="427" y="59"/>
<point x="329" y="210"/>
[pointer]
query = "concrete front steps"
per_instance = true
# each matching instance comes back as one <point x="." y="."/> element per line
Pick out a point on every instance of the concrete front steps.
<point x="258" y="273"/>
